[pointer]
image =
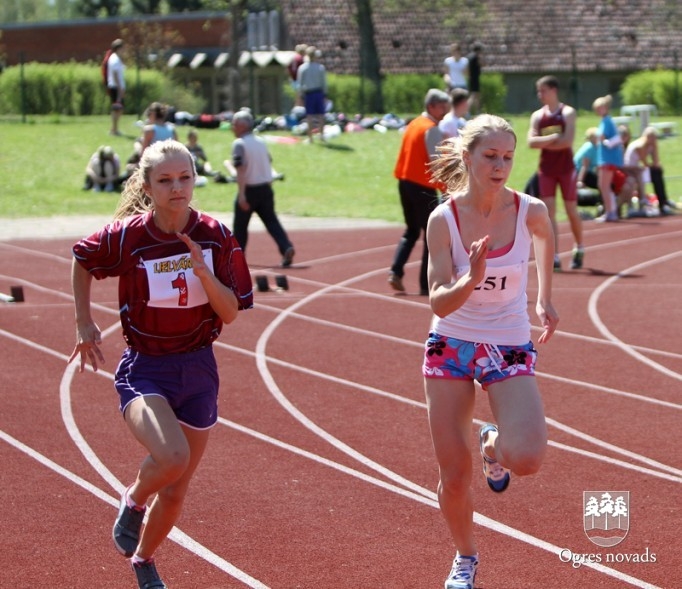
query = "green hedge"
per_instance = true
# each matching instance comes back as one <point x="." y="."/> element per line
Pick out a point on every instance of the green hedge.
<point x="653" y="87"/>
<point x="404" y="93"/>
<point x="76" y="89"/>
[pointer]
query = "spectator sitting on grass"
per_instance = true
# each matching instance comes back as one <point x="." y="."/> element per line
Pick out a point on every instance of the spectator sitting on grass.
<point x="201" y="162"/>
<point x="585" y="159"/>
<point x="102" y="173"/>
<point x="641" y="159"/>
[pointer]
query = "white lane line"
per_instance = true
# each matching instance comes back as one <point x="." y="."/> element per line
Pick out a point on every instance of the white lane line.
<point x="176" y="535"/>
<point x="430" y="499"/>
<point x="188" y="543"/>
<point x="425" y="496"/>
<point x="573" y="381"/>
<point x="599" y="324"/>
<point x="665" y="469"/>
<point x="359" y="293"/>
<point x="268" y="379"/>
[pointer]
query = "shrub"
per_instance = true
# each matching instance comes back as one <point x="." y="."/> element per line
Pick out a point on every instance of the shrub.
<point x="493" y="93"/>
<point x="344" y="91"/>
<point x="76" y="89"/>
<point x="404" y="93"/>
<point x="653" y="87"/>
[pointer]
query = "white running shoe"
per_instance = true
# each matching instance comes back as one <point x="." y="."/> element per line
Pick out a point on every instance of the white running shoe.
<point x="607" y="218"/>
<point x="463" y="573"/>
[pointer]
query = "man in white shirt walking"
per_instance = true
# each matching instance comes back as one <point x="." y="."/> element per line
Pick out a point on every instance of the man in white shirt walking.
<point x="252" y="161"/>
<point x="116" y="85"/>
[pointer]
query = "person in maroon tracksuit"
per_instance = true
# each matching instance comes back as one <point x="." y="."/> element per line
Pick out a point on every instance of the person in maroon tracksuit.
<point x="552" y="130"/>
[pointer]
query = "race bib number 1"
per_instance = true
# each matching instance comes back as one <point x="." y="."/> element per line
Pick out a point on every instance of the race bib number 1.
<point x="172" y="283"/>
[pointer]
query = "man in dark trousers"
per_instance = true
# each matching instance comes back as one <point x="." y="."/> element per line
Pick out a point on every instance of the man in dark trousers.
<point x="476" y="63"/>
<point x="251" y="159"/>
<point x="418" y="196"/>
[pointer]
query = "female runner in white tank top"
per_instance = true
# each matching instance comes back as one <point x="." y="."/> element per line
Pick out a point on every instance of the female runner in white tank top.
<point x="479" y="242"/>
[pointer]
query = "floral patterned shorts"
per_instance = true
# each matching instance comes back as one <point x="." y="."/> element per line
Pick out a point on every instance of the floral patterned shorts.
<point x="451" y="358"/>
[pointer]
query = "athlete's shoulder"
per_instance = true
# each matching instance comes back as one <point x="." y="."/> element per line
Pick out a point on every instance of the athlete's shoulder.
<point x="568" y="111"/>
<point x="536" y="207"/>
<point x="212" y="225"/>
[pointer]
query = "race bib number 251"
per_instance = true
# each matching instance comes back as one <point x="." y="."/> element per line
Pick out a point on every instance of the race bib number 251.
<point x="500" y="284"/>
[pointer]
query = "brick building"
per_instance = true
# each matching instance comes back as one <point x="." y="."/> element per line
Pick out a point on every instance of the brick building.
<point x="88" y="39"/>
<point x="196" y="47"/>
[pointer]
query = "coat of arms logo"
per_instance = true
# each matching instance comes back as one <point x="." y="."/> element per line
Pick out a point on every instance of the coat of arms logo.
<point x="606" y="516"/>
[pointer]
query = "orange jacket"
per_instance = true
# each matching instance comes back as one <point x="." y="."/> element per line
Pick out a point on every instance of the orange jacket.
<point x="413" y="159"/>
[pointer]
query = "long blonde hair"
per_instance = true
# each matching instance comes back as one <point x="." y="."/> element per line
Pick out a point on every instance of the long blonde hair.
<point x="134" y="199"/>
<point x="449" y="168"/>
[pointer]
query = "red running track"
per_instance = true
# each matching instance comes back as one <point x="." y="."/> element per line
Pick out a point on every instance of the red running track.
<point x="320" y="473"/>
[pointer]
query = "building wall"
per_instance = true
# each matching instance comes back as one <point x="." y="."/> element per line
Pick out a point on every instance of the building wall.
<point x="87" y="40"/>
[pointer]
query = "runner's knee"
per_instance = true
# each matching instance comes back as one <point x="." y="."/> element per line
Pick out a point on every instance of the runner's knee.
<point x="523" y="458"/>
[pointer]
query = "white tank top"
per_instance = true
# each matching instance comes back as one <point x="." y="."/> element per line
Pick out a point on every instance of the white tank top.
<point x="497" y="311"/>
<point x="631" y="157"/>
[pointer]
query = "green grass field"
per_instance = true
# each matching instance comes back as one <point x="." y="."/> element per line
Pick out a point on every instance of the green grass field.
<point x="42" y="163"/>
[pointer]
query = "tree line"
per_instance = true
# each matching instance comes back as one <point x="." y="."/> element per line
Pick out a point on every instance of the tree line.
<point x="22" y="11"/>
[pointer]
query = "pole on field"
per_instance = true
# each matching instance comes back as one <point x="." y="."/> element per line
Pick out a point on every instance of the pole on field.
<point x="23" y="86"/>
<point x="677" y="81"/>
<point x="574" y="78"/>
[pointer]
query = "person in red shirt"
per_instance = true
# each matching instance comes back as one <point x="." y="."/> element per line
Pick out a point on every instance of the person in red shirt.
<point x="552" y="130"/>
<point x="292" y="68"/>
<point x="418" y="195"/>
<point x="181" y="277"/>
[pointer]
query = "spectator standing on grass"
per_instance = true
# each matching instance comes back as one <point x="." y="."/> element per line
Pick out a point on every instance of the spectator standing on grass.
<point x="182" y="276"/>
<point x="476" y="63"/>
<point x="293" y="67"/>
<point x="418" y="194"/>
<point x="252" y="162"/>
<point x="116" y="85"/>
<point x="480" y="239"/>
<point x="455" y="68"/>
<point x="609" y="157"/>
<point x="552" y="131"/>
<point x="312" y="83"/>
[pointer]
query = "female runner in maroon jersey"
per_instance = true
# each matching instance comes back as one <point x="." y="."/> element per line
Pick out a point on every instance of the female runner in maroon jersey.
<point x="182" y="276"/>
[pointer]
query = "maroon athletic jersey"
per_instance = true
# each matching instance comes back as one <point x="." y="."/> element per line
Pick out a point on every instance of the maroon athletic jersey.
<point x="554" y="162"/>
<point x="163" y="306"/>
